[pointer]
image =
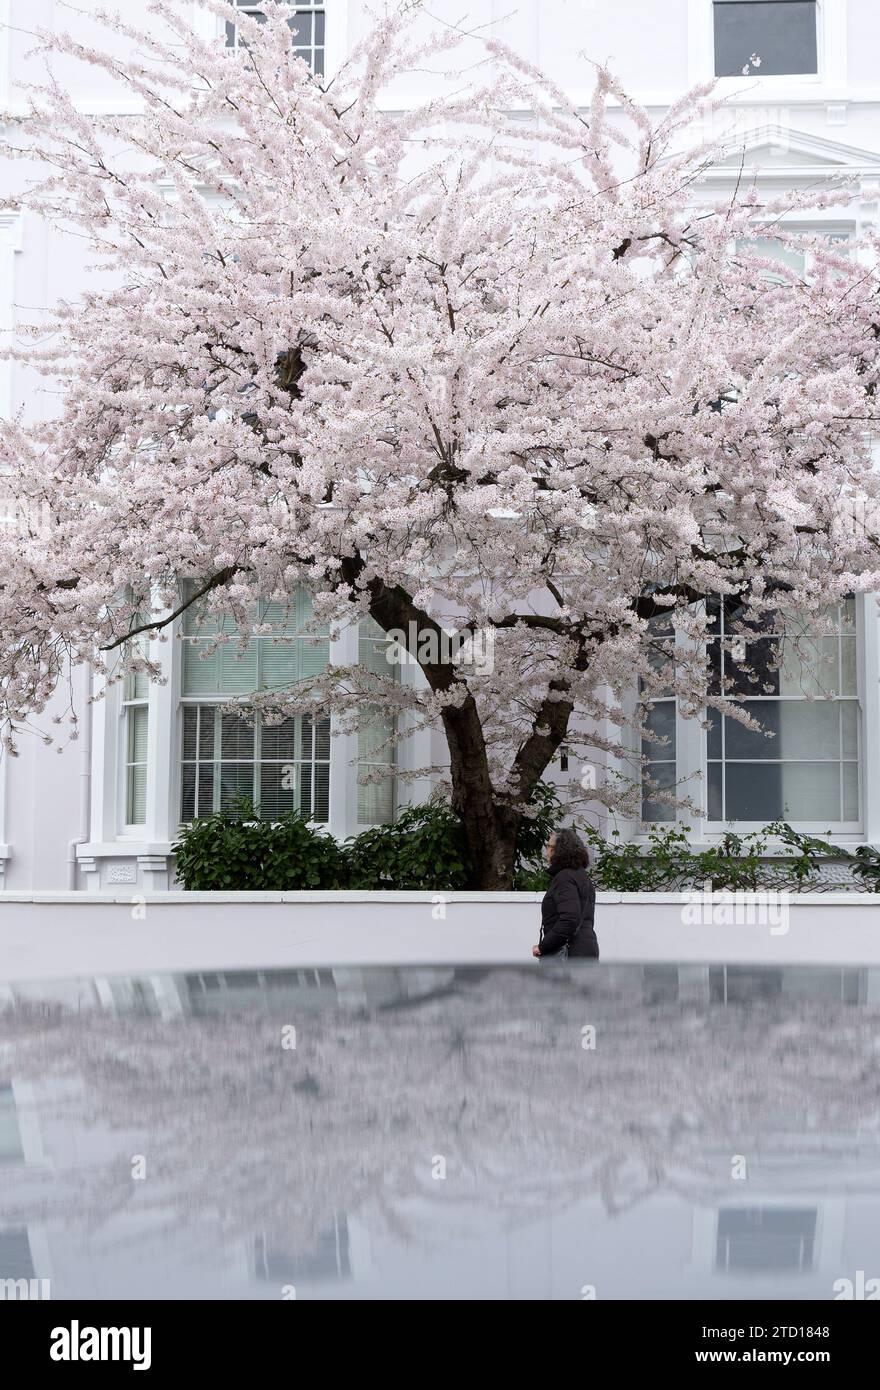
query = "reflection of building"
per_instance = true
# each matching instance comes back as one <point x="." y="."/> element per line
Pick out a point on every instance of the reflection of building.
<point x="766" y="1239"/>
<point x="731" y="984"/>
<point x="342" y="1255"/>
<point x="806" y="1214"/>
<point x="330" y="1259"/>
<point x="24" y="1249"/>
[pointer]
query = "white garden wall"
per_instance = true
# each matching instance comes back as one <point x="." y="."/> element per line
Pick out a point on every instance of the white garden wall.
<point x="50" y="935"/>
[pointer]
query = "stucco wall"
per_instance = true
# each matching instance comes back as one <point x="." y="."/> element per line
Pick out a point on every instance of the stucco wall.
<point x="46" y="936"/>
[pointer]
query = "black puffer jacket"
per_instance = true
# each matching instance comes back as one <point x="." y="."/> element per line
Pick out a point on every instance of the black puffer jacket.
<point x="567" y="914"/>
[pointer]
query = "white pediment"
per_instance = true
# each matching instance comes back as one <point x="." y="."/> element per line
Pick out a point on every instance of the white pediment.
<point x="774" y="147"/>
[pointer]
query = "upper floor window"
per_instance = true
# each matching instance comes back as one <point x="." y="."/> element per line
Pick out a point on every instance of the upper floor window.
<point x="306" y="24"/>
<point x="771" y="38"/>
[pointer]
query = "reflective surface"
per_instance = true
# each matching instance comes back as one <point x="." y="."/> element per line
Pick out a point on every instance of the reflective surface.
<point x="637" y="1131"/>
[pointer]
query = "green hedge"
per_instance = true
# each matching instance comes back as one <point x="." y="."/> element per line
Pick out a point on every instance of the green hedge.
<point x="425" y="849"/>
<point x="737" y="862"/>
<point x="235" y="851"/>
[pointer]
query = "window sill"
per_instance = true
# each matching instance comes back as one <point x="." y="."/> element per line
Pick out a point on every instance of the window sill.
<point x="107" y="849"/>
<point x="710" y="838"/>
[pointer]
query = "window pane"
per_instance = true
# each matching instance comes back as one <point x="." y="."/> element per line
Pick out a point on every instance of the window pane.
<point x="190" y="731"/>
<point x="280" y="664"/>
<point x="714" y="788"/>
<point x="285" y="779"/>
<point x="660" y="720"/>
<point x="236" y="781"/>
<point x="188" y="794"/>
<point x="136" y="811"/>
<point x="277" y="785"/>
<point x="375" y="751"/>
<point x="136" y="769"/>
<point x="138" y="724"/>
<point x="237" y="669"/>
<point x="373" y="738"/>
<point x="305" y="788"/>
<point x="321" y="806"/>
<point x="713" y="737"/>
<point x="800" y="730"/>
<point x="322" y="738"/>
<point x="201" y="676"/>
<point x="796" y="791"/>
<point x="301" y="28"/>
<point x="237" y="737"/>
<point x="848" y="669"/>
<point x="278" y="741"/>
<point x="850" y="810"/>
<point x="781" y="32"/>
<point x="313" y="657"/>
<point x="662" y="778"/>
<point x="849" y="728"/>
<point x="813" y="670"/>
<point x="136" y="686"/>
<point x="207" y="726"/>
<point x="205" y="791"/>
<point x="749" y="666"/>
<point x="376" y="803"/>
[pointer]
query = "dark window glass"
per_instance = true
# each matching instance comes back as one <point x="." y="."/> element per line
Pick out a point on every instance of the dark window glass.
<point x="306" y="24"/>
<point x="781" y="33"/>
<point x="765" y="1238"/>
<point x="15" y="1254"/>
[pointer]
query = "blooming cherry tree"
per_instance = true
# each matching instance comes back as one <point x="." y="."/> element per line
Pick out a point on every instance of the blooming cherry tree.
<point x="526" y="379"/>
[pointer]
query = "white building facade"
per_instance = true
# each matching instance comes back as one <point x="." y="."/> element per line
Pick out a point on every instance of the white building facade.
<point x="106" y="810"/>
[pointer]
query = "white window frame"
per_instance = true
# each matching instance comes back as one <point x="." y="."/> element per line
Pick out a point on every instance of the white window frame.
<point x="692" y="760"/>
<point x="831" y="58"/>
<point x="324" y="6"/>
<point x="128" y="705"/>
<point x="344" y="759"/>
<point x="838" y="829"/>
<point x="202" y="702"/>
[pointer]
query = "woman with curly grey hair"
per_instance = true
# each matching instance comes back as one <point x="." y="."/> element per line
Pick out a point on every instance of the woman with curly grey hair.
<point x="569" y="905"/>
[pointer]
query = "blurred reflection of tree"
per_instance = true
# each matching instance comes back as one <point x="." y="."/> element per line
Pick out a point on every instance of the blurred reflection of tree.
<point x="242" y="1135"/>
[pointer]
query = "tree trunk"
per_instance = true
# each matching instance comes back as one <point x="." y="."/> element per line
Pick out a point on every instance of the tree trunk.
<point x="491" y="823"/>
<point x="491" y="840"/>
